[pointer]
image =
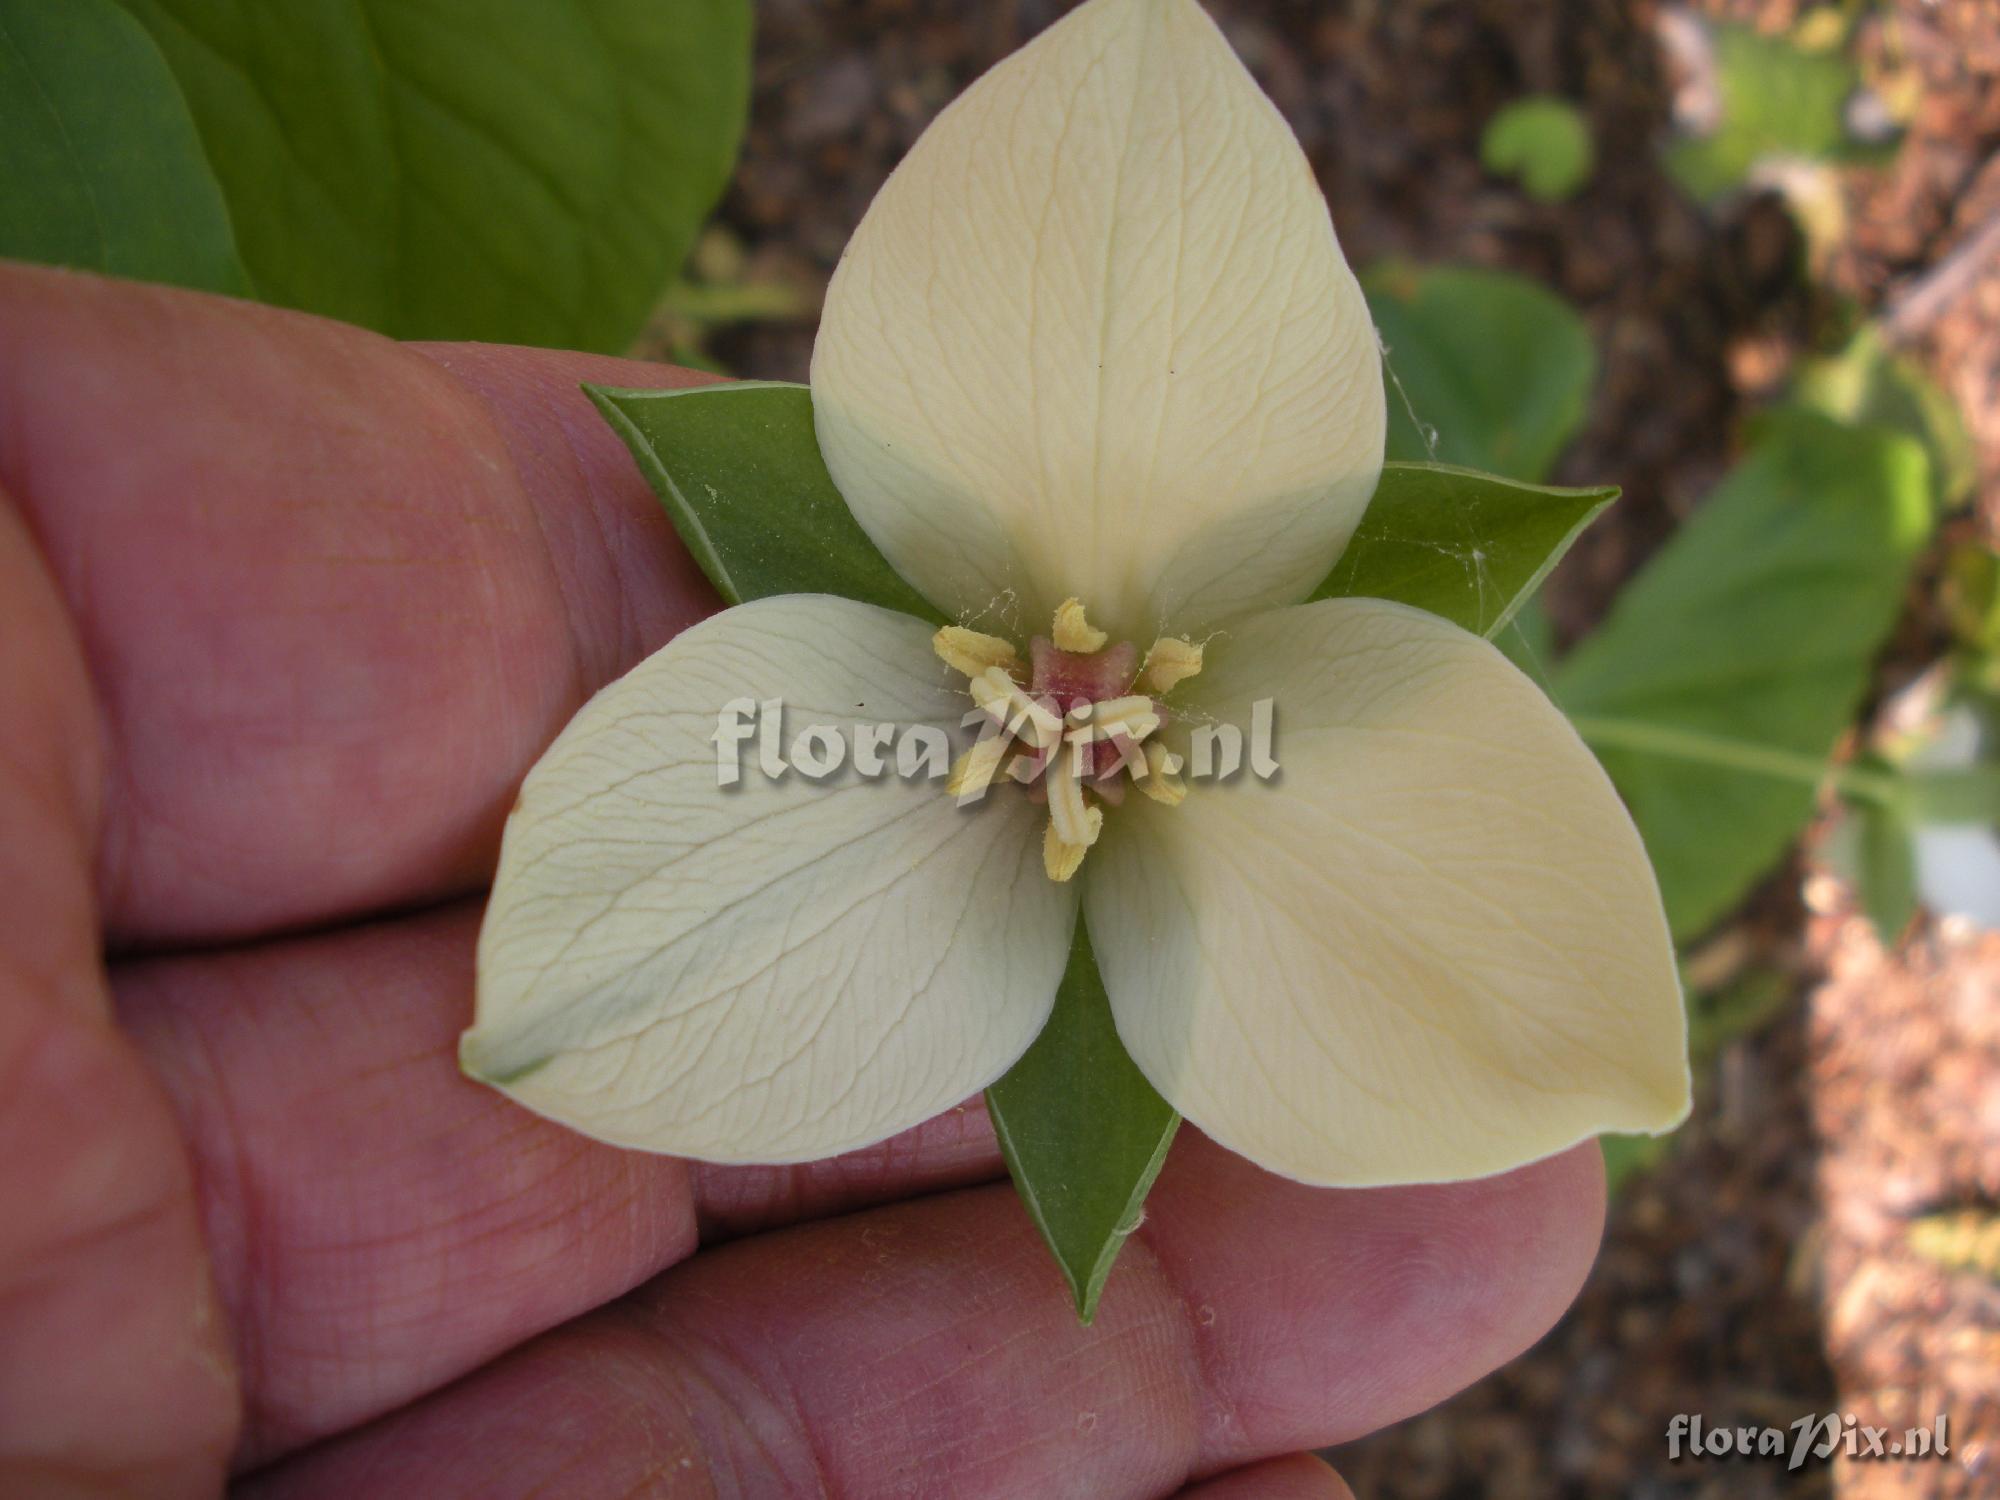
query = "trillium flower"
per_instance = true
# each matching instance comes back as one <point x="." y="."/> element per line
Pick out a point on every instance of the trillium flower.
<point x="1094" y="376"/>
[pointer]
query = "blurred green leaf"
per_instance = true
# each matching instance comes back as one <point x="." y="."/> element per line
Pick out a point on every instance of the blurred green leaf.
<point x="1871" y="848"/>
<point x="1953" y="794"/>
<point x="739" y="470"/>
<point x="1626" y="1156"/>
<point x="1470" y="547"/>
<point x="100" y="165"/>
<point x="1728" y="669"/>
<point x="1868" y="383"/>
<point x="1543" y="141"/>
<point x="1083" y="1133"/>
<point x="480" y="169"/>
<point x="1922" y="827"/>
<point x="1499" y="369"/>
<point x="1972" y="597"/>
<point x="1741" y="1007"/>
<point x="1777" y="100"/>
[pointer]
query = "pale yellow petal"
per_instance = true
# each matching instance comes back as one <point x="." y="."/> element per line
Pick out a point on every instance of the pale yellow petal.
<point x="1429" y="948"/>
<point x="1095" y="339"/>
<point x="778" y="970"/>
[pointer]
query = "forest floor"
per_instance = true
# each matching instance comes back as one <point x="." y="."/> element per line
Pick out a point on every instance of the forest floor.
<point x="1795" y="1253"/>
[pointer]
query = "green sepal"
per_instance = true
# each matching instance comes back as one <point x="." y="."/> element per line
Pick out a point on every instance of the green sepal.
<point x="738" y="468"/>
<point x="1470" y="547"/>
<point x="1083" y="1132"/>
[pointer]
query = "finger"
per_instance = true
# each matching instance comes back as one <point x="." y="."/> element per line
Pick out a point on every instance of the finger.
<point x="931" y="1344"/>
<point x="333" y="599"/>
<point x="1300" y="1477"/>
<point x="116" y="1379"/>
<point x="379" y="1224"/>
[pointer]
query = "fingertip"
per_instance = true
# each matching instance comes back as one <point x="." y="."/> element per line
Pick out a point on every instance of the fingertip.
<point x="1300" y="1476"/>
<point x="1321" y="1314"/>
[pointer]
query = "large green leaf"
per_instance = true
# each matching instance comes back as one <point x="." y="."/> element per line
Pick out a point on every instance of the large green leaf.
<point x="1470" y="547"/>
<point x="1084" y="1134"/>
<point x="738" y="468"/>
<point x="100" y="165"/>
<point x="1496" y="368"/>
<point x="1729" y="668"/>
<point x="1870" y="383"/>
<point x="493" y="169"/>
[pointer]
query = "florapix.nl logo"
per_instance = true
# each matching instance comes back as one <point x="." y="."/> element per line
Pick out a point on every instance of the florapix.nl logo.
<point x="759" y="736"/>
<point x="1820" y="1437"/>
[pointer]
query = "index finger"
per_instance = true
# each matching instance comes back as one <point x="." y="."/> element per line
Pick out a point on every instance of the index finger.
<point x="926" y="1348"/>
<point x="336" y="593"/>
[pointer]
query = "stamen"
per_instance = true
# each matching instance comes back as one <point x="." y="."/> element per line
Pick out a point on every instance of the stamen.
<point x="1161" y="780"/>
<point x="1001" y="696"/>
<point x="1133" y="717"/>
<point x="1074" y="821"/>
<point x="975" y="769"/>
<point x="1170" y="661"/>
<point x="1075" y="729"/>
<point x="1073" y="632"/>
<point x="970" y="652"/>
<point x="1061" y="860"/>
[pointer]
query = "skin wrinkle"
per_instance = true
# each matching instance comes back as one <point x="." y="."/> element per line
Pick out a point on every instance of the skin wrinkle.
<point x="468" y="1226"/>
<point x="467" y="367"/>
<point x="241" y="1267"/>
<point x="656" y="1318"/>
<point x="1207" y="1394"/>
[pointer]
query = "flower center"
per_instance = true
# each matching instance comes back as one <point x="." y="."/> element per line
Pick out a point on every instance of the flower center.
<point x="1071" y="724"/>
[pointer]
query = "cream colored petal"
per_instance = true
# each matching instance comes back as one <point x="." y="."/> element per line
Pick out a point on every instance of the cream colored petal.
<point x="777" y="971"/>
<point x="1095" y="338"/>
<point x="1430" y="948"/>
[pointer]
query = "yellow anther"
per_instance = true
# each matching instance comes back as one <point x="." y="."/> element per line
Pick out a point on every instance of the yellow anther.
<point x="1040" y="741"/>
<point x="1131" y="718"/>
<point x="970" y="652"/>
<point x="1059" y="859"/>
<point x="1171" y="660"/>
<point x="1162" y="781"/>
<point x="1001" y="697"/>
<point x="1073" y="632"/>
<point x="1074" y="821"/>
<point x="975" y="770"/>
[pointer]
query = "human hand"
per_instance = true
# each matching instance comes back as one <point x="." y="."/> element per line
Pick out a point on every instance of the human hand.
<point x="286" y="611"/>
